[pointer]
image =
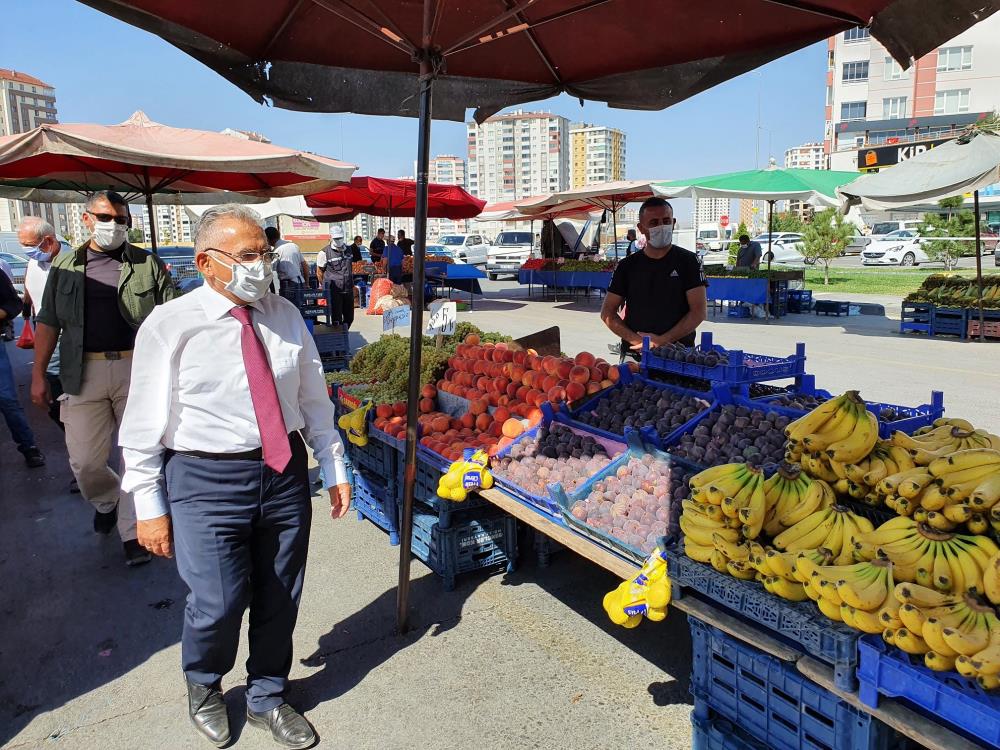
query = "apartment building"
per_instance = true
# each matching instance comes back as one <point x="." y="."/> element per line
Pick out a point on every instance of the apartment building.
<point x="597" y="154"/>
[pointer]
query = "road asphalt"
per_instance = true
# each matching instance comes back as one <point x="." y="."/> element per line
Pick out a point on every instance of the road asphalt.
<point x="89" y="650"/>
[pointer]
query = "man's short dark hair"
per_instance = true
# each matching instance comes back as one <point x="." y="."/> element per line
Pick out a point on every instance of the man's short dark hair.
<point x="654" y="203"/>
<point x="380" y="231"/>
<point x="358" y="238"/>
<point x="272" y="234"/>
<point x="115" y="199"/>
<point x="744" y="238"/>
<point x="401" y="233"/>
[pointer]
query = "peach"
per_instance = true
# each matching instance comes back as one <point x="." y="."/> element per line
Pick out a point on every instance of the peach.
<point x="495" y="429"/>
<point x="512" y="428"/>
<point x="428" y="391"/>
<point x="512" y="389"/>
<point x="556" y="394"/>
<point x="613" y="374"/>
<point x="606" y="383"/>
<point x="472" y="339"/>
<point x="564" y="368"/>
<point x="575" y="391"/>
<point x="534" y="417"/>
<point x="483" y="422"/>
<point x="585" y="359"/>
<point x="633" y="367"/>
<point x="579" y="374"/>
<point x="596" y="374"/>
<point x="441" y="424"/>
<point x="478" y="406"/>
<point x="549" y="382"/>
<point x="468" y="419"/>
<point x="426" y="405"/>
<point x="593" y="387"/>
<point x="399" y="408"/>
<point x="550" y="364"/>
<point x="519" y="357"/>
<point x="501" y="414"/>
<point x="383" y="410"/>
<point x="456" y="424"/>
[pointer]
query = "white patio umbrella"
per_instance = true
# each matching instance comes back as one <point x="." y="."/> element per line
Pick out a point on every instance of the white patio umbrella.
<point x="964" y="165"/>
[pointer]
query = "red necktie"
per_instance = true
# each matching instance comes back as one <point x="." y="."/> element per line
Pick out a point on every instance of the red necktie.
<point x="264" y="394"/>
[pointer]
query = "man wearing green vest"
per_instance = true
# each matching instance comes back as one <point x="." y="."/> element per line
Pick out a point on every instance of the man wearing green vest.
<point x="94" y="301"/>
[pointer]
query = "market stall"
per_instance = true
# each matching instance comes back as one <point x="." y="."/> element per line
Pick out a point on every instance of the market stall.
<point x="461" y="276"/>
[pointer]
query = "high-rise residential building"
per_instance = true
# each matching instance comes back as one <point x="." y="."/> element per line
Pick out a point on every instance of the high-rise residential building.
<point x="806" y="156"/>
<point x="708" y="210"/>
<point x="25" y="103"/>
<point x="878" y="114"/>
<point x="518" y="155"/>
<point x="753" y="214"/>
<point x="446" y="170"/>
<point x="597" y="154"/>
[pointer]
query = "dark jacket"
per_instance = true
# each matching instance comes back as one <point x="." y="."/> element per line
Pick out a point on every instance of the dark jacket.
<point x="145" y="283"/>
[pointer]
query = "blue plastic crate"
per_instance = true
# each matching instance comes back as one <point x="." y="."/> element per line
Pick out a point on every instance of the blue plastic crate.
<point x="626" y="377"/>
<point x="909" y="418"/>
<point x="334" y="343"/>
<point x="377" y="457"/>
<point x="771" y="701"/>
<point x="742" y="367"/>
<point x="944" y="696"/>
<point x="544" y="503"/>
<point x="950" y="321"/>
<point x="376" y="501"/>
<point x="916" y="316"/>
<point x="484" y="542"/>
<point x="739" y="311"/>
<point x="638" y="446"/>
<point x="717" y="733"/>
<point x="798" y="623"/>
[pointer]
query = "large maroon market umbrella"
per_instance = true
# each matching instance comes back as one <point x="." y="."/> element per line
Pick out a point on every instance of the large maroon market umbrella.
<point x="378" y="196"/>
<point x="418" y="57"/>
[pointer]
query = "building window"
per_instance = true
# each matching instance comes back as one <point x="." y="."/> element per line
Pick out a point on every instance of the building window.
<point x="853" y="110"/>
<point x="951" y="102"/>
<point x="857" y="34"/>
<point x="954" y="58"/>
<point x="831" y="61"/>
<point x="893" y="107"/>
<point x="893" y="70"/>
<point x="855" y="71"/>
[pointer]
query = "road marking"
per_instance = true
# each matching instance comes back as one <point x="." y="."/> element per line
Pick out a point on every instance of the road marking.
<point x="897" y="362"/>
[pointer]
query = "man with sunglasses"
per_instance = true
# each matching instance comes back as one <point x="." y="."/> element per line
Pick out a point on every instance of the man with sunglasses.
<point x="227" y="391"/>
<point x="95" y="298"/>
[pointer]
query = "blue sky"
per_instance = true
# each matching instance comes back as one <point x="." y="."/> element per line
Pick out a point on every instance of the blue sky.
<point x="103" y="70"/>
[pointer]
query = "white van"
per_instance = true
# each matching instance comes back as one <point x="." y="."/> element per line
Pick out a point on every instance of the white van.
<point x="881" y="228"/>
<point x="466" y="248"/>
<point x="508" y="253"/>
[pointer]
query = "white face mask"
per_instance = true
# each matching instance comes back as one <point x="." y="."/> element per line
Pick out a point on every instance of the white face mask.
<point x="338" y="242"/>
<point x="661" y="236"/>
<point x="250" y="282"/>
<point x="108" y="235"/>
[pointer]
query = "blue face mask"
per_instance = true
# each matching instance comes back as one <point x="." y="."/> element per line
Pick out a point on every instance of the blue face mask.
<point x="35" y="253"/>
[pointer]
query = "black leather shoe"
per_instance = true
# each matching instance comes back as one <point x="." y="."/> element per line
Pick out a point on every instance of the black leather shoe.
<point x="33" y="457"/>
<point x="288" y="727"/>
<point x="207" y="710"/>
<point x="105" y="522"/>
<point x="136" y="555"/>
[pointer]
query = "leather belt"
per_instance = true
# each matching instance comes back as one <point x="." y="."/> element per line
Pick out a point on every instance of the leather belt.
<point x="108" y="356"/>
<point x="257" y="454"/>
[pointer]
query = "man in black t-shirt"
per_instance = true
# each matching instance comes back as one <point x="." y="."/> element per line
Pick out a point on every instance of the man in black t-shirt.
<point x="377" y="246"/>
<point x="404" y="242"/>
<point x="662" y="287"/>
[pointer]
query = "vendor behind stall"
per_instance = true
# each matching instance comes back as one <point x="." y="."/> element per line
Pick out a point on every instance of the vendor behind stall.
<point x="749" y="253"/>
<point x="662" y="287"/>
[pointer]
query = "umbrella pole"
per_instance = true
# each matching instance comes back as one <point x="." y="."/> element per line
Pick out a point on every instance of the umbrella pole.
<point x="614" y="224"/>
<point x="152" y="221"/>
<point x="979" y="267"/>
<point x="770" y="238"/>
<point x="416" y="333"/>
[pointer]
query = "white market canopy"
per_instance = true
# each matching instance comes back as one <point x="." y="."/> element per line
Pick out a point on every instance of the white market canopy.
<point x="968" y="163"/>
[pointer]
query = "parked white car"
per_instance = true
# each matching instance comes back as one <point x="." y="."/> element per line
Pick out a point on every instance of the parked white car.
<point x="898" y="248"/>
<point x="466" y="248"/>
<point x="786" y="247"/>
<point x="508" y="253"/>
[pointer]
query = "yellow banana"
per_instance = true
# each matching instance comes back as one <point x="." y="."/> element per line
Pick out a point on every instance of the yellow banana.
<point x="797" y="533"/>
<point x="987" y="493"/>
<point x="716" y="473"/>
<point x="871" y="596"/>
<point x="814" y="420"/>
<point x="910" y="642"/>
<point x="977" y="524"/>
<point x="860" y="442"/>
<point x="939" y="662"/>
<point x="832" y="611"/>
<point x="991" y="579"/>
<point x="914" y="483"/>
<point x="957" y="513"/>
<point x="741" y="569"/>
<point x="936" y="521"/>
<point x="703" y="535"/>
<point x="987" y="661"/>
<point x="719" y="562"/>
<point x="963" y="665"/>
<point x="932" y="633"/>
<point x="697" y="552"/>
<point x="890" y="531"/>
<point x="731" y="549"/>
<point x="793" y="591"/>
<point x="969" y="575"/>
<point x="969" y="641"/>
<point x="912" y="617"/>
<point x="877" y="470"/>
<point x="838" y="427"/>
<point x="967" y="459"/>
<point x="932" y="498"/>
<point x="867" y="622"/>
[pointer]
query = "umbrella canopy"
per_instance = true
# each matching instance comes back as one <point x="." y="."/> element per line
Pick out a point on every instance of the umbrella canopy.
<point x="142" y="157"/>
<point x="377" y="196"/>
<point x="513" y="211"/>
<point x="45" y="195"/>
<point x="497" y="53"/>
<point x="815" y="186"/>
<point x="294" y="207"/>
<point x="954" y="168"/>
<point x="609" y="196"/>
<point x="449" y="55"/>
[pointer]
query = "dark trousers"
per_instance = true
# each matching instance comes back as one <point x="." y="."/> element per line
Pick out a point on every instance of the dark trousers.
<point x="241" y="534"/>
<point x="396" y="274"/>
<point x="340" y="306"/>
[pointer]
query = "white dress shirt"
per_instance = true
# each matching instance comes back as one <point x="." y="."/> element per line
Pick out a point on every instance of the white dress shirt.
<point x="189" y="390"/>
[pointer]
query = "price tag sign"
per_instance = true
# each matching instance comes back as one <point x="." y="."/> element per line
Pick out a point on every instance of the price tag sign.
<point x="397" y="317"/>
<point x="443" y="316"/>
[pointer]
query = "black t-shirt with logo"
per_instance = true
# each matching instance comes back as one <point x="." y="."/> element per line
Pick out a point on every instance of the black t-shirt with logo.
<point x="655" y="291"/>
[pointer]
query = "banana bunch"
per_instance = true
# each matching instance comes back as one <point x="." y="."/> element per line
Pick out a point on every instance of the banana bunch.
<point x="943" y="437"/>
<point x="780" y="574"/>
<point x="726" y="501"/>
<point x="833" y="527"/>
<point x="646" y="593"/>
<point x="949" y="563"/>
<point x="859" y="595"/>
<point x="951" y="632"/>
<point x="839" y="431"/>
<point x="991" y="579"/>
<point x="790" y="496"/>
<point x="861" y="478"/>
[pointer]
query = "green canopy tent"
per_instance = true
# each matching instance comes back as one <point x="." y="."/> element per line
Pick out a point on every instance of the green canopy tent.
<point x="817" y="187"/>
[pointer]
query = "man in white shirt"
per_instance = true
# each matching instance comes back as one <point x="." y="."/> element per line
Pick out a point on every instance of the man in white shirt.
<point x="223" y="381"/>
<point x="291" y="267"/>
<point x="41" y="246"/>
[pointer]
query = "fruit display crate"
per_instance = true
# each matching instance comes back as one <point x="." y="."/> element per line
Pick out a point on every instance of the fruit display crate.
<point x="375" y="500"/>
<point x="545" y="504"/>
<point x="916" y="316"/>
<point x="430" y="467"/>
<point x="377" y="456"/>
<point x="740" y="367"/>
<point x="334" y="343"/>
<point x="739" y="311"/>
<point x="771" y="701"/>
<point x="800" y="300"/>
<point x="624" y="379"/>
<point x="991" y="324"/>
<point x="950" y="321"/>
<point x="831" y="307"/>
<point x="944" y="696"/>
<point x="485" y="541"/>
<point x="906" y="419"/>
<point x="798" y="623"/>
<point x="638" y="446"/>
<point x="717" y="733"/>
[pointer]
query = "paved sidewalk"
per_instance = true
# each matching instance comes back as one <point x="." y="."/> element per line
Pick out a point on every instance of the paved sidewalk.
<point x="89" y="654"/>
